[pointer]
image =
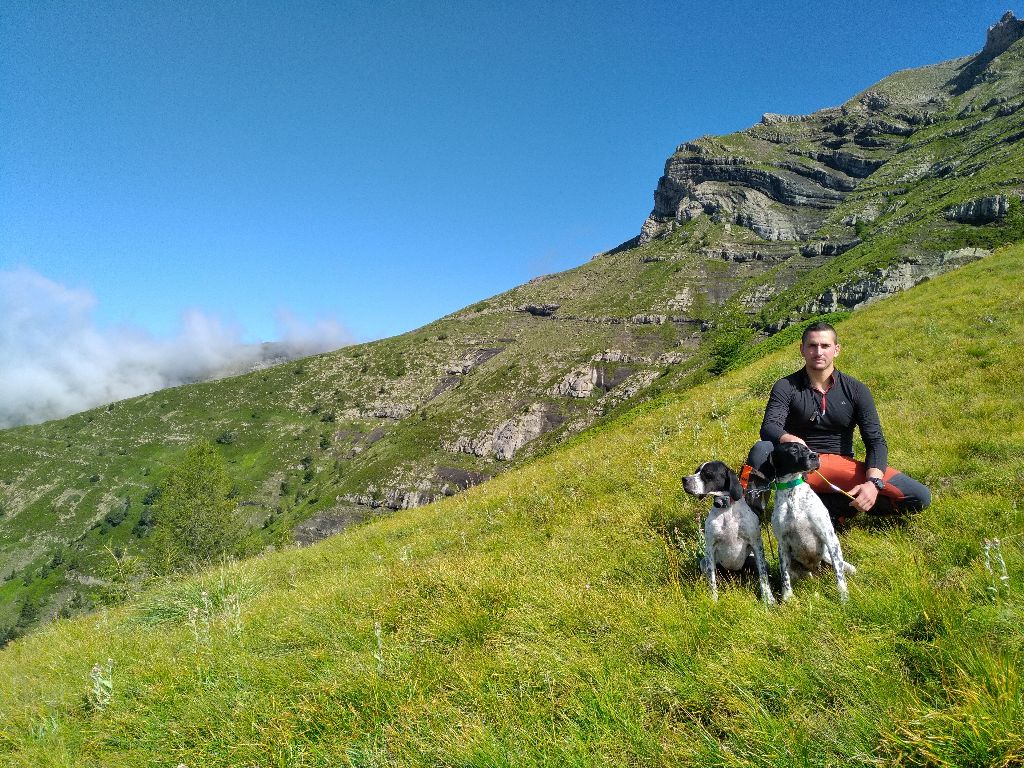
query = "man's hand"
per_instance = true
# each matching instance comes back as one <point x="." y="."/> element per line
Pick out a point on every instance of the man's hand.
<point x="864" y="496"/>
<point x="788" y="438"/>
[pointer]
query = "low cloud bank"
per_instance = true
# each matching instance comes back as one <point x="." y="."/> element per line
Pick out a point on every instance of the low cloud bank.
<point x="55" y="361"/>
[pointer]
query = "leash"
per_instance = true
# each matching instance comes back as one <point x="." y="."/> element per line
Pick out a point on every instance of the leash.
<point x="833" y="486"/>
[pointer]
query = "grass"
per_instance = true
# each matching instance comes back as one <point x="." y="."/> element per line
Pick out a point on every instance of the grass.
<point x="555" y="616"/>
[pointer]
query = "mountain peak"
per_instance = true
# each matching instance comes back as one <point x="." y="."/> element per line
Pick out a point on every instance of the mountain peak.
<point x="1001" y="35"/>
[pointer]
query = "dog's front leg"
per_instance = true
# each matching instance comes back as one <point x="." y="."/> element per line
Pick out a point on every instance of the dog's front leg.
<point x="835" y="554"/>
<point x="709" y="561"/>
<point x="762" y="569"/>
<point x="784" y="569"/>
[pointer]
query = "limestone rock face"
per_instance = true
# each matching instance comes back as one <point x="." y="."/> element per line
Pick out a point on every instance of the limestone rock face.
<point x="1002" y="35"/>
<point x="648" y="319"/>
<point x="849" y="163"/>
<point x="396" y="411"/>
<point x="513" y="434"/>
<point x="785" y="202"/>
<point x="773" y="118"/>
<point x="757" y="297"/>
<point x="392" y="498"/>
<point x="475" y="446"/>
<point x="472" y="360"/>
<point x="885" y="282"/>
<point x="828" y="248"/>
<point x="577" y="383"/>
<point x="682" y="300"/>
<point x="612" y="356"/>
<point x="980" y="211"/>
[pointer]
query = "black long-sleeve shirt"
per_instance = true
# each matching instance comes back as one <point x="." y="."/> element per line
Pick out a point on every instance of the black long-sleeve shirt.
<point x="825" y="422"/>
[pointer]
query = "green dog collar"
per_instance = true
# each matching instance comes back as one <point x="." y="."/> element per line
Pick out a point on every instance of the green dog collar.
<point x="790" y="484"/>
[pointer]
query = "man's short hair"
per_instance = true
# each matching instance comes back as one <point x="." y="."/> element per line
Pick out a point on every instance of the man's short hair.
<point x="820" y="325"/>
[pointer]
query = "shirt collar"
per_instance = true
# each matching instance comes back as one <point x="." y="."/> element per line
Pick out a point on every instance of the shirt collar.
<point x="833" y="379"/>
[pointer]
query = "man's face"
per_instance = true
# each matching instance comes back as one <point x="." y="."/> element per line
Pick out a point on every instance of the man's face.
<point x="819" y="350"/>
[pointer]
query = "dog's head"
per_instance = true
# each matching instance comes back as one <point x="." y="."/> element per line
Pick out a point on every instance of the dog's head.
<point x="713" y="477"/>
<point x="793" y="459"/>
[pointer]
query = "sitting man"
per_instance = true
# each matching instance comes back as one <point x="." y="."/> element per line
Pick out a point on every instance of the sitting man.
<point x="819" y="407"/>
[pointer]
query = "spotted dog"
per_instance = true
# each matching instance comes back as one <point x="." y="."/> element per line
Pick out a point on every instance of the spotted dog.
<point x="800" y="521"/>
<point x="732" y="530"/>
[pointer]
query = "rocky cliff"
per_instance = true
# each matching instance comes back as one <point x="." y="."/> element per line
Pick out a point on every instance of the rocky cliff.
<point x="846" y="179"/>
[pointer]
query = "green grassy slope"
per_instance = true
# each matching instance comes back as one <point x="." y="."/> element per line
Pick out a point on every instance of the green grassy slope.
<point x="555" y="616"/>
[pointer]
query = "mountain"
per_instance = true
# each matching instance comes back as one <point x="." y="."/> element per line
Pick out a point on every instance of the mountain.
<point x="556" y="616"/>
<point x="750" y="233"/>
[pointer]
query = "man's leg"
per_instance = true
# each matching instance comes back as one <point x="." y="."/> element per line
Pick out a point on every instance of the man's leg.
<point x="754" y="476"/>
<point x="902" y="492"/>
<point x="907" y="494"/>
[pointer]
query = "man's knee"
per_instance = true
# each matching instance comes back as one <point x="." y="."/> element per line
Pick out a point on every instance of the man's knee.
<point x="757" y="459"/>
<point x="915" y="496"/>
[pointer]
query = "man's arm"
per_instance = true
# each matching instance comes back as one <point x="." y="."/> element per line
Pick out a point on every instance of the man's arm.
<point x="870" y="427"/>
<point x="877" y="458"/>
<point x="773" y="425"/>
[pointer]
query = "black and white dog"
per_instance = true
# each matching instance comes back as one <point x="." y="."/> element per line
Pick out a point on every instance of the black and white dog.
<point x="800" y="520"/>
<point x="732" y="530"/>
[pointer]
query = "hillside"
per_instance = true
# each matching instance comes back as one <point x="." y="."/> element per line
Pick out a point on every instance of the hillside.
<point x="750" y="233"/>
<point x="555" y="615"/>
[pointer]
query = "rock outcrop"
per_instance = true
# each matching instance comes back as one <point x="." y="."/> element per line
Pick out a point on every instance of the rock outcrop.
<point x="885" y="282"/>
<point x="395" y="411"/>
<point x="328" y="523"/>
<point x="472" y="360"/>
<point x="682" y="300"/>
<point x="646" y="319"/>
<point x="613" y="356"/>
<point x="1001" y="35"/>
<point x="980" y="211"/>
<point x="784" y="202"/>
<point x="828" y="248"/>
<point x="577" y="383"/>
<point x="540" y="310"/>
<point x="511" y="435"/>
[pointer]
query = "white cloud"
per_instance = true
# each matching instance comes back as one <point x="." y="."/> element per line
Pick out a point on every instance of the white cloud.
<point x="55" y="360"/>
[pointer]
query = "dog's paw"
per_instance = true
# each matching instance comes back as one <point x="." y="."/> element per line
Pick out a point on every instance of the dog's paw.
<point x="849" y="567"/>
<point x="787" y="595"/>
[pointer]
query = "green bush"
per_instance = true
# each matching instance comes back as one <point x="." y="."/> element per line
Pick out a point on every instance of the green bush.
<point x="195" y="520"/>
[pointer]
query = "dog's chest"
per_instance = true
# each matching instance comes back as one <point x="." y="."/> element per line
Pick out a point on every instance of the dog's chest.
<point x="794" y="525"/>
<point x="724" y="524"/>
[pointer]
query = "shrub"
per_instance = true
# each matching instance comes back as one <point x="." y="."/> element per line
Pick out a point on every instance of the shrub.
<point x="226" y="438"/>
<point x="195" y="520"/>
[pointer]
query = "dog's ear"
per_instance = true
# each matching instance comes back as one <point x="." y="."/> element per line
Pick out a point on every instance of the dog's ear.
<point x="735" y="489"/>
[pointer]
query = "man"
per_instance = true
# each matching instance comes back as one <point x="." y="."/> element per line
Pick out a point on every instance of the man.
<point x="819" y="406"/>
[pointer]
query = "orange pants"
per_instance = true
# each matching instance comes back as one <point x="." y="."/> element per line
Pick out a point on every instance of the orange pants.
<point x="904" y="492"/>
<point x="844" y="472"/>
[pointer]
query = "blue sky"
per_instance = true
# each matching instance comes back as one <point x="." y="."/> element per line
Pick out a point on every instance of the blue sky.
<point x="385" y="163"/>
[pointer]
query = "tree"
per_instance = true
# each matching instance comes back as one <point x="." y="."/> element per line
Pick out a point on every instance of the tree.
<point x="194" y="520"/>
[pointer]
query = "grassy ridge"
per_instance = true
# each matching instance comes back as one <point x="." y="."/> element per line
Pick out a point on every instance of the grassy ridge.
<point x="555" y="616"/>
